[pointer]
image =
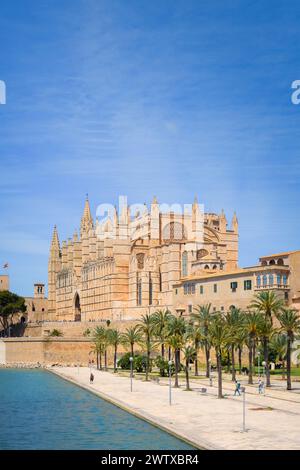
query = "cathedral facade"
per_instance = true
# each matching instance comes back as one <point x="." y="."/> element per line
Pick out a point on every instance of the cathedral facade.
<point x="127" y="264"/>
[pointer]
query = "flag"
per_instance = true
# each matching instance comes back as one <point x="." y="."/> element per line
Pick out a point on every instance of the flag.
<point x="5" y="266"/>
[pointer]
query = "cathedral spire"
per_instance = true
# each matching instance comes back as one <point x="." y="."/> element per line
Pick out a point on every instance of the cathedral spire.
<point x="55" y="240"/>
<point x="86" y="220"/>
<point x="235" y="223"/>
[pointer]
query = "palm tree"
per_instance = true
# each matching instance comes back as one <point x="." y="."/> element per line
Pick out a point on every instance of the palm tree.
<point x="268" y="303"/>
<point x="195" y="334"/>
<point x="203" y="316"/>
<point x="175" y="339"/>
<point x="241" y="341"/>
<point x="279" y="344"/>
<point x="99" y="338"/>
<point x="290" y="323"/>
<point x="146" y="328"/>
<point x="251" y="326"/>
<point x="219" y="337"/>
<point x="189" y="354"/>
<point x="233" y="320"/>
<point x="266" y="333"/>
<point x="160" y="322"/>
<point x="114" y="338"/>
<point x="131" y="336"/>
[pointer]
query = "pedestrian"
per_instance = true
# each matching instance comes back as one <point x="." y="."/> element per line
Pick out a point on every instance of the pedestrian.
<point x="91" y="378"/>
<point x="237" y="388"/>
<point x="260" y="386"/>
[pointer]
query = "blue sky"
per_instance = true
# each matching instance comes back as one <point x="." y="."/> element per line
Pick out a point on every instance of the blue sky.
<point x="173" y="98"/>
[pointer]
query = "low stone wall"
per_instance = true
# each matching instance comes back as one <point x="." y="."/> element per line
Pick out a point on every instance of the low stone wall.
<point x="46" y="351"/>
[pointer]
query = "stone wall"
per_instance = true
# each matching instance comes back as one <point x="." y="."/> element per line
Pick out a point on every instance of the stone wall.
<point x="45" y="351"/>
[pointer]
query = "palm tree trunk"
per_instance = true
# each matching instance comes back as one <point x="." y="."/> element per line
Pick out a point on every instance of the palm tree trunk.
<point x="105" y="359"/>
<point x="207" y="357"/>
<point x="219" y="366"/>
<point x="100" y="360"/>
<point x="254" y="353"/>
<point x="233" y="364"/>
<point x="170" y="353"/>
<point x="163" y="351"/>
<point x="97" y="358"/>
<point x="288" y="364"/>
<point x="266" y="359"/>
<point x="196" y="358"/>
<point x="187" y="375"/>
<point x="283" y="370"/>
<point x="240" y="359"/>
<point x="148" y="361"/>
<point x="131" y="349"/>
<point x="250" y="377"/>
<point x="115" y="359"/>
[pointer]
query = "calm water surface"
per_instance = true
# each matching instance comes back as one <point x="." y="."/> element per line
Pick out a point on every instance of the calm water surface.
<point x="39" y="410"/>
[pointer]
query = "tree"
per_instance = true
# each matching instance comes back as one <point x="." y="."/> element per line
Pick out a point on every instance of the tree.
<point x="175" y="339"/>
<point x="56" y="333"/>
<point x="189" y="354"/>
<point x="267" y="303"/>
<point x="233" y="320"/>
<point x="146" y="328"/>
<point x="195" y="334"/>
<point x="203" y="317"/>
<point x="278" y="344"/>
<point x="10" y="305"/>
<point x="132" y="336"/>
<point x="219" y="338"/>
<point x="266" y="333"/>
<point x="252" y="323"/>
<point x="160" y="322"/>
<point x="100" y="344"/>
<point x="290" y="324"/>
<point x="114" y="338"/>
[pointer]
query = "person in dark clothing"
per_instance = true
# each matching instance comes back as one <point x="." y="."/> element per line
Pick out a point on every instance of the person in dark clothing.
<point x="91" y="378"/>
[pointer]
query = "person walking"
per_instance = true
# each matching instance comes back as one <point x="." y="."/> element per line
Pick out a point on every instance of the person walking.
<point x="237" y="388"/>
<point x="91" y="378"/>
<point x="260" y="387"/>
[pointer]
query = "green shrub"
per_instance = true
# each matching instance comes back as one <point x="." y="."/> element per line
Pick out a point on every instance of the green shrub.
<point x="56" y="333"/>
<point x="163" y="367"/>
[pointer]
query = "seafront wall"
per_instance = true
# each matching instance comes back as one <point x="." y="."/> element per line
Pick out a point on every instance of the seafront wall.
<point x="45" y="351"/>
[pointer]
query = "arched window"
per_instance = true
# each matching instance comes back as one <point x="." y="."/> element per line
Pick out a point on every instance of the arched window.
<point x="278" y="279"/>
<point x="206" y="266"/>
<point x="271" y="280"/>
<point x="264" y="263"/>
<point x="214" y="266"/>
<point x="258" y="281"/>
<point x="174" y="231"/>
<point x="201" y="253"/>
<point x="272" y="262"/>
<point x="265" y="280"/>
<point x="280" y="262"/>
<point x="184" y="266"/>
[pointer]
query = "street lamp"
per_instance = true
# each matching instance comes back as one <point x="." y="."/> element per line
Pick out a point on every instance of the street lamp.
<point x="170" y="382"/>
<point x="209" y="372"/>
<point x="131" y="371"/>
<point x="243" y="390"/>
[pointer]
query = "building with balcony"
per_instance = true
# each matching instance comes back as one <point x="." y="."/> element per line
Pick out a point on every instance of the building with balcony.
<point x="236" y="288"/>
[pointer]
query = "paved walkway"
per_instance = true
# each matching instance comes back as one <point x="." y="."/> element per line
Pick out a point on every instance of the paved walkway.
<point x="271" y="422"/>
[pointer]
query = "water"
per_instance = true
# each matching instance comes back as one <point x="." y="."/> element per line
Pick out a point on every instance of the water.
<point x="39" y="410"/>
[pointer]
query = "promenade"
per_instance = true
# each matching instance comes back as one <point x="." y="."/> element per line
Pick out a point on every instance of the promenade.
<point x="272" y="421"/>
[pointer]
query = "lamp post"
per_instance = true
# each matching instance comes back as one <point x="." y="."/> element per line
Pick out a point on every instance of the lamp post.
<point x="209" y="372"/>
<point x="258" y="357"/>
<point x="170" y="382"/>
<point x="131" y="371"/>
<point x="243" y="390"/>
